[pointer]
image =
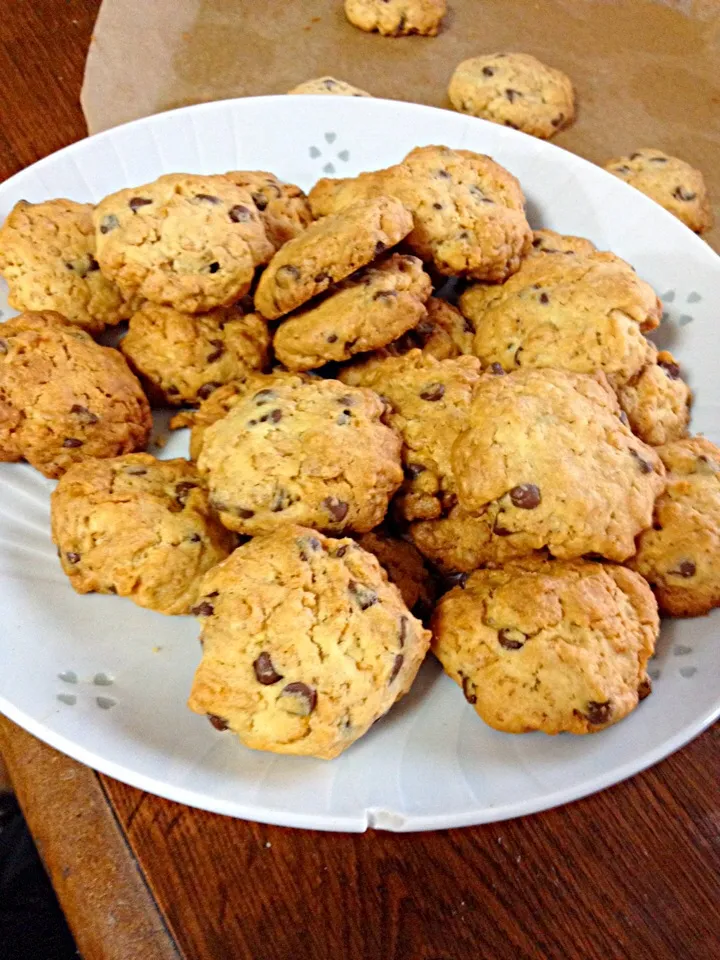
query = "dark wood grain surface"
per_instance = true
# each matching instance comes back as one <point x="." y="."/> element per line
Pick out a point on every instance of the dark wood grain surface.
<point x="633" y="872"/>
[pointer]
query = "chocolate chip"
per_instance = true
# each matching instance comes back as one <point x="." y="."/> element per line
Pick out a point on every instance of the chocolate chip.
<point x="241" y="512"/>
<point x="396" y="667"/>
<point x="265" y="672"/>
<point x="403" y="631"/>
<point x="136" y="470"/>
<point x="556" y="121"/>
<point x="680" y="193"/>
<point x="264" y="396"/>
<point x="511" y="639"/>
<point x="337" y="509"/>
<point x="512" y="95"/>
<point x="217" y="352"/>
<point x="240" y="214"/>
<point x="657" y="159"/>
<point x="466" y="689"/>
<point x="83" y="414"/>
<point x="203" y="609"/>
<point x="281" y="501"/>
<point x="4" y="347"/>
<point x="217" y="722"/>
<point x="346" y="400"/>
<point x="537" y="242"/>
<point x="671" y="369"/>
<point x="331" y="338"/>
<point x="287" y="274"/>
<point x="136" y="202"/>
<point x="71" y="442"/>
<point x="363" y="596"/>
<point x="380" y="246"/>
<point x="272" y="416"/>
<point x="109" y="223"/>
<point x="413" y="470"/>
<point x="622" y="169"/>
<point x="432" y="392"/>
<point x="260" y="200"/>
<point x="643" y="464"/>
<point x="72" y="557"/>
<point x="213" y="267"/>
<point x="488" y="71"/>
<point x="207" y="388"/>
<point x="544" y="298"/>
<point x="343" y="418"/>
<point x="598" y="713"/>
<point x="686" y="568"/>
<point x="645" y="688"/>
<point x="207" y="198"/>
<point x="182" y="490"/>
<point x="498" y="529"/>
<point x="298" y="698"/>
<point x="323" y="277"/>
<point x="341" y="551"/>
<point x="437" y="206"/>
<point x="443" y="174"/>
<point x="497" y="369"/>
<point x="308" y="546"/>
<point x="526" y="496"/>
<point x="194" y="538"/>
<point x="385" y="295"/>
<point x="172" y="390"/>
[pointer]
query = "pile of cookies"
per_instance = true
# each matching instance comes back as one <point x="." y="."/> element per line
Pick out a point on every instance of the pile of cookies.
<point x="396" y="392"/>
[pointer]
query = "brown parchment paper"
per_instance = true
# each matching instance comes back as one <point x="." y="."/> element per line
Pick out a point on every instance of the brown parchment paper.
<point x="646" y="72"/>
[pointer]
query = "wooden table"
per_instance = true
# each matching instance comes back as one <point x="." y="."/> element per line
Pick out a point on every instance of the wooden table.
<point x="633" y="872"/>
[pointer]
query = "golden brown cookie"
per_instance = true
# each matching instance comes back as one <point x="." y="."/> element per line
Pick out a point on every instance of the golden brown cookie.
<point x="514" y="89"/>
<point x="284" y="208"/>
<point x="680" y="555"/>
<point x="548" y="459"/>
<point x="397" y="18"/>
<point x="305" y="644"/>
<point x="329" y="251"/>
<point x="405" y="568"/>
<point x="329" y="86"/>
<point x="187" y="241"/>
<point x="316" y="453"/>
<point x="138" y="527"/>
<point x="430" y="401"/>
<point x="551" y="645"/>
<point x="47" y="256"/>
<point x="549" y="241"/>
<point x="583" y="312"/>
<point x="671" y="182"/>
<point x="468" y="211"/>
<point x="184" y="357"/>
<point x="222" y="400"/>
<point x="63" y="398"/>
<point x="368" y="310"/>
<point x="657" y="401"/>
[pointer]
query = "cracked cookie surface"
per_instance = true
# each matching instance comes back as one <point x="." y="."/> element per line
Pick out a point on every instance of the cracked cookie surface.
<point x="187" y="241"/>
<point x="368" y="310"/>
<point x="185" y="357"/>
<point x="550" y="645"/>
<point x="64" y="398"/>
<point x="138" y="527"/>
<point x="680" y="555"/>
<point x="315" y="452"/>
<point x="657" y="400"/>
<point x="47" y="256"/>
<point x="283" y="207"/>
<point x="305" y="644"/>
<point x="397" y="18"/>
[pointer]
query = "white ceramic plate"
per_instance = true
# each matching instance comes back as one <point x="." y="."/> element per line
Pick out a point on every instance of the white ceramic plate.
<point x="106" y="682"/>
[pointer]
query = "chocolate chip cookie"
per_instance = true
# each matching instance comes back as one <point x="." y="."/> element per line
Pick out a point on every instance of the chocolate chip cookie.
<point x="405" y="568"/>
<point x="548" y="459"/>
<point x="47" y="256"/>
<point x="430" y="401"/>
<point x="671" y="182"/>
<point x="368" y="310"/>
<point x="468" y="211"/>
<point x="329" y="86"/>
<point x="316" y="453"/>
<point x="680" y="555"/>
<point x="63" y="398"/>
<point x="283" y="207"/>
<point x="657" y="400"/>
<point x="550" y="645"/>
<point x="329" y="251"/>
<point x="185" y="357"/>
<point x="582" y="312"/>
<point x="186" y="241"/>
<point x="397" y="18"/>
<point x="222" y="400"/>
<point x="138" y="527"/>
<point x="549" y="241"/>
<point x="305" y="644"/>
<point x="514" y="89"/>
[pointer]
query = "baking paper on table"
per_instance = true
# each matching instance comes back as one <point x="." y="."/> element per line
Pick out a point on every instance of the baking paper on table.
<point x="646" y="72"/>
